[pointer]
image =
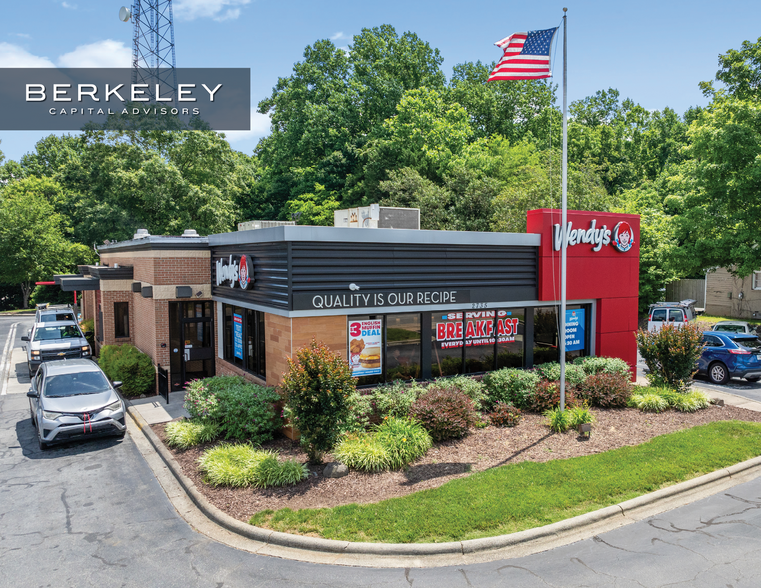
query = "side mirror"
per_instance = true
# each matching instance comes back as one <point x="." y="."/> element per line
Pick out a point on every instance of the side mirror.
<point x="117" y="384"/>
<point x="25" y="338"/>
<point x="32" y="393"/>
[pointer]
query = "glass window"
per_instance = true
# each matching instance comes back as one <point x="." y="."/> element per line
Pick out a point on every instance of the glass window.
<point x="546" y="335"/>
<point x="511" y="330"/>
<point x="403" y="333"/>
<point x="479" y="341"/>
<point x="659" y="314"/>
<point x="447" y="341"/>
<point x="247" y="326"/>
<point x="59" y="332"/>
<point x="121" y="319"/>
<point x="676" y="314"/>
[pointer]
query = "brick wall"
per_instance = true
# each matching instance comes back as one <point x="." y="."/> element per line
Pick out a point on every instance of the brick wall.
<point x="277" y="344"/>
<point x="225" y="368"/>
<point x="160" y="268"/>
<point x="109" y="326"/>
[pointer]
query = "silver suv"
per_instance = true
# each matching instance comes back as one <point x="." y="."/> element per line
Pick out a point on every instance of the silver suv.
<point x="72" y="399"/>
<point x="54" y="340"/>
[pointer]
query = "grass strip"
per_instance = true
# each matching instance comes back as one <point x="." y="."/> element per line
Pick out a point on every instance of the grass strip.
<point x="521" y="496"/>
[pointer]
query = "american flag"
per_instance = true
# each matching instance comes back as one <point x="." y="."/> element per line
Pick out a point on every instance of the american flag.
<point x="526" y="56"/>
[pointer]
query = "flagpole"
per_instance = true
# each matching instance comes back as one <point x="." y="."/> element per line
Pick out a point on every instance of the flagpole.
<point x="564" y="215"/>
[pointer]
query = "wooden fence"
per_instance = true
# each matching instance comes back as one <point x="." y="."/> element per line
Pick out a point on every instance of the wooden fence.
<point x="684" y="289"/>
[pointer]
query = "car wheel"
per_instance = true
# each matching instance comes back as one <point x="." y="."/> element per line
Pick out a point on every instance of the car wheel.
<point x="43" y="445"/>
<point x="718" y="373"/>
<point x="754" y="379"/>
<point x="34" y="418"/>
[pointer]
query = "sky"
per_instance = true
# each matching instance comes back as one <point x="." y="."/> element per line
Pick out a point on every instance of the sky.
<point x="654" y="52"/>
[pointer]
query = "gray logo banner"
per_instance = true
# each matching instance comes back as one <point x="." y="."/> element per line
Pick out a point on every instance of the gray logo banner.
<point x="50" y="99"/>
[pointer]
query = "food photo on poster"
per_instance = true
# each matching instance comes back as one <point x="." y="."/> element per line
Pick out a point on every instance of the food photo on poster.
<point x="366" y="347"/>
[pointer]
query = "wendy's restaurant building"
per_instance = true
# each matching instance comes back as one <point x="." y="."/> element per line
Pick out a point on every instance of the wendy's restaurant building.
<point x="395" y="303"/>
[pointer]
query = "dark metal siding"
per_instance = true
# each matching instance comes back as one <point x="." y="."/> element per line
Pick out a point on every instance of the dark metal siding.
<point x="270" y="263"/>
<point x="328" y="267"/>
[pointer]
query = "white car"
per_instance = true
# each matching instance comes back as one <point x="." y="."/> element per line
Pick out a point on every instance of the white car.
<point x="734" y="327"/>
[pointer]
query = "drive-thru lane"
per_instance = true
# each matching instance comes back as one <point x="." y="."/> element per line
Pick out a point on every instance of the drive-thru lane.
<point x="92" y="513"/>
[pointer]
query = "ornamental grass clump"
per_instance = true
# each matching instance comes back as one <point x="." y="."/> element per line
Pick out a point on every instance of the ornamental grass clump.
<point x="692" y="401"/>
<point x="649" y="402"/>
<point x="557" y="420"/>
<point x="319" y="390"/>
<point x="671" y="354"/>
<point x="445" y="414"/>
<point x="188" y="433"/>
<point x="241" y="466"/>
<point x="404" y="439"/>
<point x="512" y="386"/>
<point x="505" y="415"/>
<point x="363" y="452"/>
<point x="580" y="415"/>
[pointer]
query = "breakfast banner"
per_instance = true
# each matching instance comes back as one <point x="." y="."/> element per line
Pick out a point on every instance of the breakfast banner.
<point x="366" y="347"/>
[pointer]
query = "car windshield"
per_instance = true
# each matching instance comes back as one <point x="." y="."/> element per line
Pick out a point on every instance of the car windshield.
<point x="58" y="332"/>
<point x="730" y="328"/>
<point x="50" y="318"/>
<point x="59" y="385"/>
<point x="747" y="342"/>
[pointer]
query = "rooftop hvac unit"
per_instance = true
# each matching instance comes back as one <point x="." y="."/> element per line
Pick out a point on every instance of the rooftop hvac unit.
<point x="378" y="217"/>
<point x="263" y="224"/>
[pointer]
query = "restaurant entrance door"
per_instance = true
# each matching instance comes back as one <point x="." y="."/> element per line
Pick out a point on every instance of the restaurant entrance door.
<point x="191" y="329"/>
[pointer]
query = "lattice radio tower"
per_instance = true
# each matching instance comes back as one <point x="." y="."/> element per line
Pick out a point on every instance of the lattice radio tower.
<point x="153" y="59"/>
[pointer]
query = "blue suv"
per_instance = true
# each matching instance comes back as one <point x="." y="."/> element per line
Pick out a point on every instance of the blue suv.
<point x="730" y="355"/>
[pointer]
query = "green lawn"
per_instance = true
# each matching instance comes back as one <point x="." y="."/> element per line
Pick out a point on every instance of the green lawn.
<point x="521" y="496"/>
<point x="708" y="318"/>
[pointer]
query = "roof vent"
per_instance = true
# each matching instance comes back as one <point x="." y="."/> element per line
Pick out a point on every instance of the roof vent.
<point x="190" y="233"/>
<point x="141" y="234"/>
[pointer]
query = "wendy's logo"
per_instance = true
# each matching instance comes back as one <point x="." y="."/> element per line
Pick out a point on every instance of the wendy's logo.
<point x="245" y="272"/>
<point x="623" y="236"/>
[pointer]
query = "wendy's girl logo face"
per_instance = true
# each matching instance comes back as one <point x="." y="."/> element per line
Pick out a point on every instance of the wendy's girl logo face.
<point x="623" y="237"/>
<point x="244" y="272"/>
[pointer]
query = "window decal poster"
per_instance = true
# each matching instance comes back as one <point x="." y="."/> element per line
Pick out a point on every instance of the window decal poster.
<point x="574" y="329"/>
<point x="238" y="336"/>
<point x="479" y="328"/>
<point x="366" y="347"/>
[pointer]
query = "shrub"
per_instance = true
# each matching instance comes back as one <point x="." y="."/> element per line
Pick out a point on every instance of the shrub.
<point x="319" y="388"/>
<point x="395" y="399"/>
<point x="692" y="401"/>
<point x="200" y="401"/>
<point x="547" y="396"/>
<point x="232" y="465"/>
<point x="557" y="420"/>
<point x="505" y="415"/>
<point x="445" y="414"/>
<point x="126" y="363"/>
<point x="87" y="325"/>
<point x="246" y="411"/>
<point x="362" y="451"/>
<point x="603" y="365"/>
<point x="184" y="434"/>
<point x="574" y="374"/>
<point x="404" y="439"/>
<point x="649" y="402"/>
<point x="579" y="415"/>
<point x="272" y="472"/>
<point x="607" y="390"/>
<point x="512" y="386"/>
<point x="671" y="354"/>
<point x="472" y="388"/>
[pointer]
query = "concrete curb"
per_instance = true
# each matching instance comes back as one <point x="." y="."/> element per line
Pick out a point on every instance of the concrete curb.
<point x="487" y="549"/>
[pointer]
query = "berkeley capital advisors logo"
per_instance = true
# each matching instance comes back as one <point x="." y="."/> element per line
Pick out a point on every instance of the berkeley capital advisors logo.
<point x="622" y="236"/>
<point x="72" y="99"/>
<point x="135" y="93"/>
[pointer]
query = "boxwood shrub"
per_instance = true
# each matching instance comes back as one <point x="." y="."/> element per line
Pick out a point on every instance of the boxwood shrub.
<point x="127" y="364"/>
<point x="511" y="386"/>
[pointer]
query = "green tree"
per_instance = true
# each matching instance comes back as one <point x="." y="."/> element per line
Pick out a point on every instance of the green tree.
<point x="32" y="244"/>
<point x="314" y="208"/>
<point x="740" y="72"/>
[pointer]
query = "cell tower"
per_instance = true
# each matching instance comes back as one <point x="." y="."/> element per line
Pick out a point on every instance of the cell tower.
<point x="153" y="59"/>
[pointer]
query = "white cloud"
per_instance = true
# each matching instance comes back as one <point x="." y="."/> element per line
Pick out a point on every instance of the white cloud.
<point x="15" y="56"/>
<point x="106" y="53"/>
<point x="219" y="10"/>
<point x="22" y="35"/>
<point x="69" y="6"/>
<point x="337" y="36"/>
<point x="260" y="126"/>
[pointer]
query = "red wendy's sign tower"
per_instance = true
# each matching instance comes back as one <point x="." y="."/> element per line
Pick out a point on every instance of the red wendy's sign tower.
<point x="603" y="266"/>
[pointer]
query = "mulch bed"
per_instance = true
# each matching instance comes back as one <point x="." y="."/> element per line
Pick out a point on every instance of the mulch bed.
<point x="480" y="450"/>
